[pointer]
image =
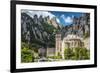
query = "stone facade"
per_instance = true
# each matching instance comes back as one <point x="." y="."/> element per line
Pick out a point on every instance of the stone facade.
<point x="42" y="52"/>
<point x="70" y="41"/>
<point x="50" y="52"/>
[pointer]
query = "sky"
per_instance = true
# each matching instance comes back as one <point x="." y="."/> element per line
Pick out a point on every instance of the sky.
<point x="63" y="18"/>
<point x="66" y="18"/>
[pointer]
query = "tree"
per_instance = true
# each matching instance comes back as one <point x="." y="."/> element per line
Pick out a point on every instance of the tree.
<point x="26" y="55"/>
<point x="81" y="54"/>
<point x="86" y="35"/>
<point x="84" y="54"/>
<point x="59" y="55"/>
<point x="68" y="53"/>
<point x="76" y="53"/>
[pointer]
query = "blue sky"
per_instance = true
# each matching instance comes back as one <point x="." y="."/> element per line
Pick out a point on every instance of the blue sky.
<point x="66" y="18"/>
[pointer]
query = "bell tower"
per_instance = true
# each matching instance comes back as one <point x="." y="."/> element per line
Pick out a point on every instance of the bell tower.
<point x="58" y="44"/>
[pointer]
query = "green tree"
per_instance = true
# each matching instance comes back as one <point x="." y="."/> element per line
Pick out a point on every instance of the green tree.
<point x="84" y="54"/>
<point x="26" y="55"/>
<point x="68" y="53"/>
<point x="59" y="55"/>
<point x="76" y="53"/>
<point x="86" y="35"/>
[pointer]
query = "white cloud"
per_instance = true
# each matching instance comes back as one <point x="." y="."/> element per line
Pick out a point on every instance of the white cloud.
<point x="38" y="13"/>
<point x="63" y="16"/>
<point x="67" y="19"/>
<point x="58" y="21"/>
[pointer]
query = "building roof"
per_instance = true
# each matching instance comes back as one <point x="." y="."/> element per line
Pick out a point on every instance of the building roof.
<point x="72" y="36"/>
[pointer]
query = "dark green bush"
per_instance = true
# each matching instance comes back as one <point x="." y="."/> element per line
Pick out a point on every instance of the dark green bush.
<point x="26" y="55"/>
<point x="76" y="54"/>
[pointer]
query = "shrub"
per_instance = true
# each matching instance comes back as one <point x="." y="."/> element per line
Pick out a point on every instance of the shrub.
<point x="59" y="56"/>
<point x="87" y="34"/>
<point x="76" y="54"/>
<point x="81" y="54"/>
<point x="26" y="55"/>
<point x="68" y="53"/>
<point x="84" y="54"/>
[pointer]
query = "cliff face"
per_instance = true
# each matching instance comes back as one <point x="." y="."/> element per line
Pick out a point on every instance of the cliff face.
<point x="52" y="21"/>
<point x="80" y="27"/>
<point x="38" y="31"/>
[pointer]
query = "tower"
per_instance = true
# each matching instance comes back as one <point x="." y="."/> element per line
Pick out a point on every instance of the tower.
<point x="58" y="44"/>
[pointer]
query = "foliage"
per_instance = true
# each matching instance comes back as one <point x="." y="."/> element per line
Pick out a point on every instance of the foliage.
<point x="68" y="53"/>
<point x="77" y="54"/>
<point x="48" y="27"/>
<point x="24" y="45"/>
<point x="86" y="35"/>
<point x="26" y="55"/>
<point x="84" y="54"/>
<point x="59" y="56"/>
<point x="51" y="31"/>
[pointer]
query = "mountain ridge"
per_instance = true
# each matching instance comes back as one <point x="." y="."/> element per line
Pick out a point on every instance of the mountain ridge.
<point x="41" y="31"/>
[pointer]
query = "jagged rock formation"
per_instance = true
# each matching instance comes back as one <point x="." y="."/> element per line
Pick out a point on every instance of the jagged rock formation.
<point x="37" y="31"/>
<point x="80" y="27"/>
<point x="40" y="31"/>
